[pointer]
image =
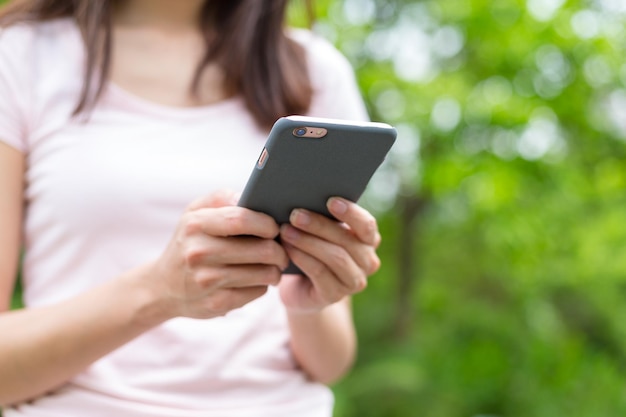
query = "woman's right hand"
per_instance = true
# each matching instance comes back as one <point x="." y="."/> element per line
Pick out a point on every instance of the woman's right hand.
<point x="220" y="258"/>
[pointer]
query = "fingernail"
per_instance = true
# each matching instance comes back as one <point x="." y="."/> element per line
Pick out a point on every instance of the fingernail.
<point x="290" y="233"/>
<point x="299" y="217"/>
<point x="337" y="205"/>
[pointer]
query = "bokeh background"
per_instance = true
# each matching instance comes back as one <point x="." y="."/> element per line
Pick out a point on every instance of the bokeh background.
<point x="502" y="206"/>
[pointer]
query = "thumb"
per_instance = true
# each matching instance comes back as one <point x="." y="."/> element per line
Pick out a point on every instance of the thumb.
<point x="217" y="199"/>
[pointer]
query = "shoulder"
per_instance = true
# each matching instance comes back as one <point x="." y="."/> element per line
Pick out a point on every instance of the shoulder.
<point x="335" y="90"/>
<point x="40" y="67"/>
<point x="37" y="41"/>
<point x="315" y="44"/>
<point x="325" y="62"/>
<point x="21" y="34"/>
<point x="16" y="78"/>
<point x="16" y="41"/>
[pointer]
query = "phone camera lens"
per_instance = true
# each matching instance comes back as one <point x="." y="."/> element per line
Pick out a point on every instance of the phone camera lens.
<point x="301" y="131"/>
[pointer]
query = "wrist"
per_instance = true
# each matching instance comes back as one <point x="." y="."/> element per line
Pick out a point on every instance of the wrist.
<point x="304" y="313"/>
<point x="324" y="342"/>
<point x="151" y="305"/>
<point x="310" y="312"/>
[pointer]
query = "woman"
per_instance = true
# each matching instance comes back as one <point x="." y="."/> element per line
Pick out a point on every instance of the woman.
<point x="114" y="116"/>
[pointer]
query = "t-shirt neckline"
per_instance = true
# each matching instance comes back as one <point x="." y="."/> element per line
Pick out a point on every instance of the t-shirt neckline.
<point x="131" y="101"/>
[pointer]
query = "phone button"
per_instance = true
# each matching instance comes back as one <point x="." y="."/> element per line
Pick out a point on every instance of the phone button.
<point x="262" y="159"/>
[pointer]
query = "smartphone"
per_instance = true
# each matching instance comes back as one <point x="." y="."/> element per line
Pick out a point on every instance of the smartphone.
<point x="307" y="160"/>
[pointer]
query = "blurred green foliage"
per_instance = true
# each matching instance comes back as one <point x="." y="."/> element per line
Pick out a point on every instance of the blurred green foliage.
<point x="16" y="301"/>
<point x="503" y="284"/>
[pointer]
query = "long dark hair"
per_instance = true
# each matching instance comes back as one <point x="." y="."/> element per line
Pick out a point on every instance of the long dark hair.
<point x="246" y="38"/>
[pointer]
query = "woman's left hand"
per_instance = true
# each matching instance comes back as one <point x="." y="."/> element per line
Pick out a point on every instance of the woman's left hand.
<point x="336" y="256"/>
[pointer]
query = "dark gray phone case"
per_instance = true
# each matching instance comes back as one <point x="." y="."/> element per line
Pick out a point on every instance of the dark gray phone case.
<point x="305" y="172"/>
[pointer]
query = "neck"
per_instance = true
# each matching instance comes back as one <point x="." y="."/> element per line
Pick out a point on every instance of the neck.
<point x="166" y="14"/>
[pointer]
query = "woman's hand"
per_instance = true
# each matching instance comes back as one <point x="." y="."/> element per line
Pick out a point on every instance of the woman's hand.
<point x="336" y="257"/>
<point x="220" y="258"/>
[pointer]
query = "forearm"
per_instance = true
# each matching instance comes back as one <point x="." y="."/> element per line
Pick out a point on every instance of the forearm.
<point x="324" y="343"/>
<point x="43" y="348"/>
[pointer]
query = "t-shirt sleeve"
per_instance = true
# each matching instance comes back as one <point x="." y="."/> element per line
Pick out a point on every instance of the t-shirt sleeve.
<point x="14" y="86"/>
<point x="336" y="93"/>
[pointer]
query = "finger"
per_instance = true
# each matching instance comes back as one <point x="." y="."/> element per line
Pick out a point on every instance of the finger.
<point x="325" y="285"/>
<point x="360" y="220"/>
<point x="331" y="259"/>
<point x="339" y="233"/>
<point x="232" y="221"/>
<point x="240" y="250"/>
<point x="231" y="298"/>
<point x="219" y="198"/>
<point x="238" y="276"/>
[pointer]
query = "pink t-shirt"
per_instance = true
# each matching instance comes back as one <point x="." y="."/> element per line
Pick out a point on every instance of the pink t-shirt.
<point x="105" y="196"/>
